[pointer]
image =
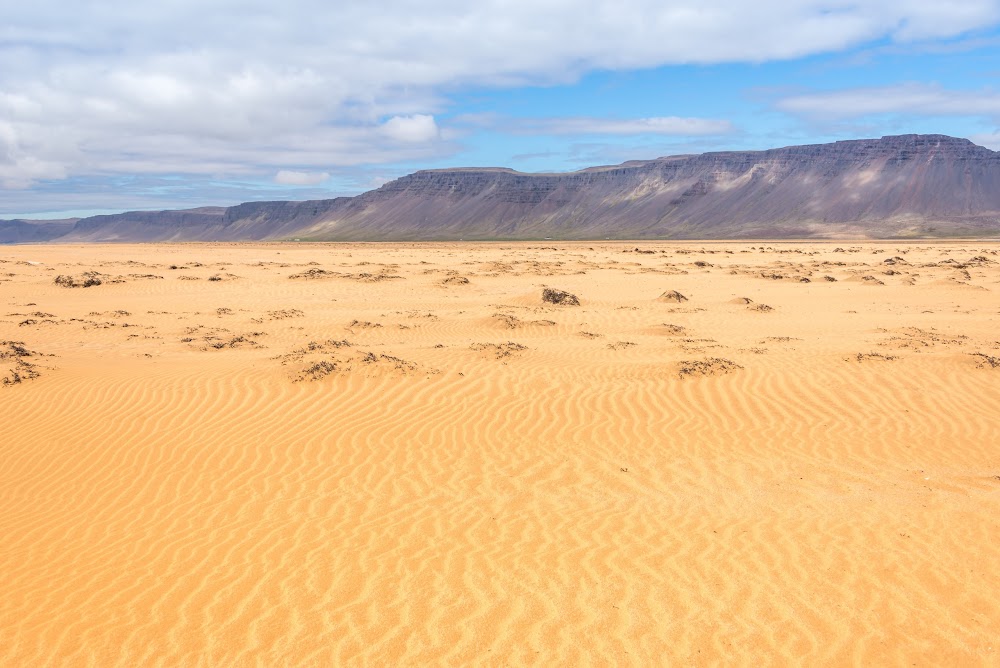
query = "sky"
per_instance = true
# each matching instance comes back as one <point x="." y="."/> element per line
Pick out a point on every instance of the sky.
<point x="118" y="105"/>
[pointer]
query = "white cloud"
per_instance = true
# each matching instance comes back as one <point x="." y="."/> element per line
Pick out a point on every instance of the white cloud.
<point x="411" y="129"/>
<point x="247" y="87"/>
<point x="20" y="165"/>
<point x="990" y="140"/>
<point x="910" y="99"/>
<point x="668" y="125"/>
<point x="286" y="177"/>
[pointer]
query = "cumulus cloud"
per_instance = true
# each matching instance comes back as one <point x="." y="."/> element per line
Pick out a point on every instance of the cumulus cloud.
<point x="411" y="129"/>
<point x="21" y="164"/>
<point x="286" y="177"/>
<point x="247" y="87"/>
<point x="910" y="99"/>
<point x="990" y="140"/>
<point x="377" y="182"/>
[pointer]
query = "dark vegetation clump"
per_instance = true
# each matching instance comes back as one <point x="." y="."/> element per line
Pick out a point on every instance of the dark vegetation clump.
<point x="985" y="361"/>
<point x="499" y="350"/>
<point x="873" y="357"/>
<point x="86" y="280"/>
<point x="559" y="297"/>
<point x="318" y="370"/>
<point x="13" y="356"/>
<point x="314" y="273"/>
<point x="713" y="366"/>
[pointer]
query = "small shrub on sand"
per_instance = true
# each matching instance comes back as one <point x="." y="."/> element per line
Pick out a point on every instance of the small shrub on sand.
<point x="86" y="280"/>
<point x="559" y="297"/>
<point x="713" y="366"/>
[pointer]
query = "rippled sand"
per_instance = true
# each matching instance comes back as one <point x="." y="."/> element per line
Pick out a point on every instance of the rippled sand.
<point x="400" y="455"/>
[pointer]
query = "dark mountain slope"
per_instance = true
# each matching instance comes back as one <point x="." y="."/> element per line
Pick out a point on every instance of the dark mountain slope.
<point x="908" y="185"/>
<point x="33" y="231"/>
<point x="902" y="186"/>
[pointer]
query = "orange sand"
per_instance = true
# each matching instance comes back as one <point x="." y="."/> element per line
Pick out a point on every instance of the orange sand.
<point x="478" y="478"/>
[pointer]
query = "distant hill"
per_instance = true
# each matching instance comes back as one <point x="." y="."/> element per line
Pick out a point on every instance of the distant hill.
<point x="901" y="186"/>
<point x="29" y="231"/>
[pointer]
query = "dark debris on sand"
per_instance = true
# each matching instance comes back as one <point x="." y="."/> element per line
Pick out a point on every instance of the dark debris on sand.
<point x="13" y="356"/>
<point x="88" y="279"/>
<point x="672" y="296"/>
<point x="559" y="297"/>
<point x="712" y="366"/>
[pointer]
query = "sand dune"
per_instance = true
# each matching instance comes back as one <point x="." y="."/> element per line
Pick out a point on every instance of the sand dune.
<point x="314" y="455"/>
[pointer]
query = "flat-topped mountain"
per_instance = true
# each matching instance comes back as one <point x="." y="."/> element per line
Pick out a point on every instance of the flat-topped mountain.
<point x="899" y="186"/>
<point x="33" y="231"/>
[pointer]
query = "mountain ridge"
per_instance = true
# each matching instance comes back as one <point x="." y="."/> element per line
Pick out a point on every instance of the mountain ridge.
<point x="899" y="186"/>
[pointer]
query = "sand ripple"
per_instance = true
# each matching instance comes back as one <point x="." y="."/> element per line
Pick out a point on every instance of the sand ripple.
<point x="515" y="493"/>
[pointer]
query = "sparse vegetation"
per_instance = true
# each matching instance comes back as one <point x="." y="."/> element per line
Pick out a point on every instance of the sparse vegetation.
<point x="314" y="273"/>
<point x="984" y="361"/>
<point x="499" y="350"/>
<point x="873" y="357"/>
<point x="88" y="279"/>
<point x="559" y="297"/>
<point x="13" y="358"/>
<point x="712" y="366"/>
<point x="672" y="296"/>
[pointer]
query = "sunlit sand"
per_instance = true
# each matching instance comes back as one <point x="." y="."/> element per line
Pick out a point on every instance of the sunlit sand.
<point x="399" y="454"/>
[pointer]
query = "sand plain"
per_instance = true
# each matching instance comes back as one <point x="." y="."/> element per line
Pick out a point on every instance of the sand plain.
<point x="398" y="454"/>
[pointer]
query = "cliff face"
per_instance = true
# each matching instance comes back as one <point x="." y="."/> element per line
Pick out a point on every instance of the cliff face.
<point x="909" y="185"/>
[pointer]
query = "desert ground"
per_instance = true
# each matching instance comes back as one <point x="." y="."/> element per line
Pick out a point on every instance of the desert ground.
<point x="749" y="453"/>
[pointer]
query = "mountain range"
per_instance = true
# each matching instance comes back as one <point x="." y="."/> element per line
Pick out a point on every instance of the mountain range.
<point x="905" y="186"/>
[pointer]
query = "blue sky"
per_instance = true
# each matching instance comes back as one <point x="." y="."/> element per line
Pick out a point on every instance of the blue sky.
<point x="113" y="106"/>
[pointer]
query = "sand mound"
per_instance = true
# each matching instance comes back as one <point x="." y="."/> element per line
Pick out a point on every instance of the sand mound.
<point x="16" y="363"/>
<point x="559" y="297"/>
<point x="672" y="296"/>
<point x="499" y="350"/>
<point x="712" y="366"/>
<point x="984" y="361"/>
<point x="88" y="279"/>
<point x="314" y="273"/>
